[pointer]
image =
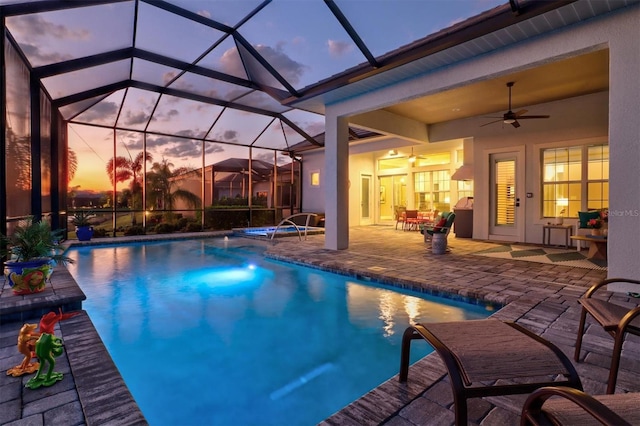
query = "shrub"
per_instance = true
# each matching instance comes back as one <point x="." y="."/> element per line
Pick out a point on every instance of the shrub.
<point x="164" y="228"/>
<point x="134" y="230"/>
<point x="193" y="227"/>
<point x="99" y="232"/>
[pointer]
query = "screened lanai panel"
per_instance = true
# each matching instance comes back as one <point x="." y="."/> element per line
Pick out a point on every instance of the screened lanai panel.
<point x="225" y="58"/>
<point x="302" y="40"/>
<point x="87" y="78"/>
<point x="18" y="134"/>
<point x="153" y="73"/>
<point x="179" y="116"/>
<point x="172" y="35"/>
<point x="238" y="127"/>
<point x="398" y="19"/>
<point x="311" y="123"/>
<point x="137" y="108"/>
<point x="72" y="110"/>
<point x="263" y="101"/>
<point x="104" y="112"/>
<point x="224" y="11"/>
<point x="51" y="37"/>
<point x="45" y="152"/>
<point x="256" y="71"/>
<point x="275" y="136"/>
<point x="93" y="148"/>
<point x="216" y="89"/>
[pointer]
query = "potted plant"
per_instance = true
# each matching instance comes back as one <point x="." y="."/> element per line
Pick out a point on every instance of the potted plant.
<point x="84" y="230"/>
<point x="31" y="251"/>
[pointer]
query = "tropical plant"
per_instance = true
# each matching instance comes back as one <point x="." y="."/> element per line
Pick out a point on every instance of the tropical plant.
<point x="81" y="218"/>
<point x="161" y="193"/>
<point x="121" y="169"/>
<point x="33" y="240"/>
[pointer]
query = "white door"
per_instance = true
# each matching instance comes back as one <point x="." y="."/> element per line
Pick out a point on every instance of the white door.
<point x="506" y="196"/>
<point x="366" y="207"/>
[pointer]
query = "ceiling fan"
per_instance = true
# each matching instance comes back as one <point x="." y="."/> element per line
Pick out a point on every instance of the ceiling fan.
<point x="511" y="117"/>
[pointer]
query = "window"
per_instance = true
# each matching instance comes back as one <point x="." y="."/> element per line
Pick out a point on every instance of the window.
<point x="432" y="190"/>
<point x="574" y="179"/>
<point x="465" y="188"/>
<point x="315" y="178"/>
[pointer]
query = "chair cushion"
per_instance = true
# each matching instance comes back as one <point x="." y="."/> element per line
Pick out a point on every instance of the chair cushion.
<point x="585" y="217"/>
<point x="440" y="224"/>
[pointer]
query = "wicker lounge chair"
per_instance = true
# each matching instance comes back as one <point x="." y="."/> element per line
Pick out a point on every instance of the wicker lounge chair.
<point x="616" y="320"/>
<point x="567" y="406"/>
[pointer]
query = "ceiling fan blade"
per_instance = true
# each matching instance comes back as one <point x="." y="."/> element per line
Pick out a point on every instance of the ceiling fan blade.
<point x="515" y="124"/>
<point x="519" y="113"/>
<point x="523" y="117"/>
<point x="491" y="122"/>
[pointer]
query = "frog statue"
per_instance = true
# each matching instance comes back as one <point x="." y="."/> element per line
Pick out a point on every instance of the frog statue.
<point x="48" y="347"/>
<point x="26" y="341"/>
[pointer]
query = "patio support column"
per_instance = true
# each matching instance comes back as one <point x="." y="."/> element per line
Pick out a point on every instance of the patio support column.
<point x="336" y="183"/>
<point x="624" y="155"/>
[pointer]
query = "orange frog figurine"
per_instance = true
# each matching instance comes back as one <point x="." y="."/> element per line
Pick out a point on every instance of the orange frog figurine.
<point x="26" y="344"/>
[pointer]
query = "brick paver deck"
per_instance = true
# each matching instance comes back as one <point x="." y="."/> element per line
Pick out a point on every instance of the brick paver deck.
<point x="540" y="297"/>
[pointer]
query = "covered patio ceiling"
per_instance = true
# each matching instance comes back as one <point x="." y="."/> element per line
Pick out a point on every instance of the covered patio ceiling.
<point x="250" y="73"/>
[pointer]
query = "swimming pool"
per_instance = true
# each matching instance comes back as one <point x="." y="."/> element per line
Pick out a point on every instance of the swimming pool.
<point x="211" y="332"/>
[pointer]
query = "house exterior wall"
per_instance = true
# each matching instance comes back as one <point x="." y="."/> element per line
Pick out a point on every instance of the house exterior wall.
<point x="577" y="121"/>
<point x="616" y="31"/>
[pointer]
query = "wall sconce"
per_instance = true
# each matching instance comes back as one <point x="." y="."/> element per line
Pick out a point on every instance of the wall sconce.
<point x="393" y="152"/>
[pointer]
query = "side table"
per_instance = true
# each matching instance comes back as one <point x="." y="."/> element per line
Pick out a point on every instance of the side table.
<point x="546" y="234"/>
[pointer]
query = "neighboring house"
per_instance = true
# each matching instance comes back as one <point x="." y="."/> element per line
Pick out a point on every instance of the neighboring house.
<point x="230" y="179"/>
<point x="580" y="72"/>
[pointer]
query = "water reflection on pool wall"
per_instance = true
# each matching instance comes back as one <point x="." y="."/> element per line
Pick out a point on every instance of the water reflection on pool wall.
<point x="395" y="310"/>
<point x="220" y="335"/>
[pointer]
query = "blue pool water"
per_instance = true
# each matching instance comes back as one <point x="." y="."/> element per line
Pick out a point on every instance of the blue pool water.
<point x="211" y="332"/>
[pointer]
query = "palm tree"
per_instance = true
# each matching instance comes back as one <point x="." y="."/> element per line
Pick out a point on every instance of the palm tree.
<point x="123" y="169"/>
<point x="160" y="193"/>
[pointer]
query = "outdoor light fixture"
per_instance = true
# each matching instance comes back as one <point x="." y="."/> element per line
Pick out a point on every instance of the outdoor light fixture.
<point x="393" y="152"/>
<point x="412" y="158"/>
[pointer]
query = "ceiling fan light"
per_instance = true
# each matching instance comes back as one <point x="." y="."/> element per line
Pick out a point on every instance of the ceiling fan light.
<point x="412" y="158"/>
<point x="509" y="121"/>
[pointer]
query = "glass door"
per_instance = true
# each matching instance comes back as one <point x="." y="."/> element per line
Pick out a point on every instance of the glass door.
<point x="392" y="196"/>
<point x="506" y="215"/>
<point x="365" y="200"/>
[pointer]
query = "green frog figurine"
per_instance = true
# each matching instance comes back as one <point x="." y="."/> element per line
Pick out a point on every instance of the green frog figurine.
<point x="48" y="347"/>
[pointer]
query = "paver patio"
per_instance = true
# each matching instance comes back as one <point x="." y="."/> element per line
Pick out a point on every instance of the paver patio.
<point x="541" y="297"/>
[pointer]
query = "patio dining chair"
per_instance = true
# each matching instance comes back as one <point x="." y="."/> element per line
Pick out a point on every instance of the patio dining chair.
<point x="617" y="320"/>
<point x="560" y="405"/>
<point x="410" y="220"/>
<point x="400" y="213"/>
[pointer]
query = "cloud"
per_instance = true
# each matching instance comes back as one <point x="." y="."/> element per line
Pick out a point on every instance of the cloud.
<point x="100" y="111"/>
<point x="339" y="48"/>
<point x="168" y="77"/>
<point x="231" y="64"/>
<point x="138" y="117"/>
<point x="189" y="150"/>
<point x="32" y="27"/>
<point x="226" y="136"/>
<point x="37" y="57"/>
<point x="287" y="67"/>
<point x="264" y="156"/>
